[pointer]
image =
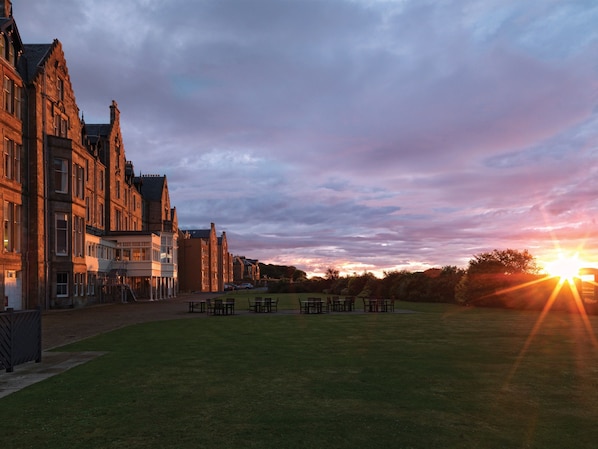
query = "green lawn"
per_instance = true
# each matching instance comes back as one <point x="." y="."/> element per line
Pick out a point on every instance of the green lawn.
<point x="444" y="377"/>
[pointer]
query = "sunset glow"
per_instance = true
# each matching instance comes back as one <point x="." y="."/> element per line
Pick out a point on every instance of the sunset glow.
<point x="566" y="268"/>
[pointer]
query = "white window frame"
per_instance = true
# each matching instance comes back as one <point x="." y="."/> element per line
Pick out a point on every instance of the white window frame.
<point x="62" y="284"/>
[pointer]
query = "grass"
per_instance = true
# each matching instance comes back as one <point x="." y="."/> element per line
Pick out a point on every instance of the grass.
<point x="445" y="377"/>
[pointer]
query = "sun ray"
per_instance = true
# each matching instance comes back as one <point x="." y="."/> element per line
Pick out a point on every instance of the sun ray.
<point x="520" y="286"/>
<point x="567" y="277"/>
<point x="584" y="315"/>
<point x="537" y="324"/>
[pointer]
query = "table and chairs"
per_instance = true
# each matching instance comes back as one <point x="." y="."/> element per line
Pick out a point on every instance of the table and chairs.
<point x="263" y="305"/>
<point x="378" y="304"/>
<point x="338" y="304"/>
<point x="313" y="306"/>
<point x="199" y="305"/>
<point x="220" y="306"/>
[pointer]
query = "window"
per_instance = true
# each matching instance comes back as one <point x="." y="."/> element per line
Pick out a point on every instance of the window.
<point x="62" y="222"/>
<point x="139" y="254"/>
<point x="118" y="218"/>
<point x="18" y="102"/>
<point x="61" y="175"/>
<point x="78" y="181"/>
<point x="62" y="284"/>
<point x="166" y="249"/>
<point x="101" y="214"/>
<point x="60" y="89"/>
<point x="101" y="180"/>
<point x="117" y="189"/>
<point x="11" y="52"/>
<point x="12" y="227"/>
<point x="12" y="160"/>
<point x="61" y="125"/>
<point x="87" y="210"/>
<point x="91" y="280"/>
<point x="124" y="254"/>
<point x="13" y="97"/>
<point x="117" y="150"/>
<point x="79" y="284"/>
<point x="78" y="236"/>
<point x="9" y="94"/>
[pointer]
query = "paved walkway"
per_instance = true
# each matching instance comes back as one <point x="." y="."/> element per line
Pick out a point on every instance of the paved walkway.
<point x="52" y="363"/>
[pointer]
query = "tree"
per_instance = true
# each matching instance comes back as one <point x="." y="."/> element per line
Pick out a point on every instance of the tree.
<point x="494" y="272"/>
<point x="332" y="274"/>
<point x="509" y="261"/>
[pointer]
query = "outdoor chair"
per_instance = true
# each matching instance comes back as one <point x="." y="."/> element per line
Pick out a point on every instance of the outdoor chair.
<point x="252" y="304"/>
<point x="389" y="305"/>
<point x="303" y="306"/>
<point x="215" y="307"/>
<point x="271" y="305"/>
<point x="274" y="305"/>
<point x="349" y="303"/>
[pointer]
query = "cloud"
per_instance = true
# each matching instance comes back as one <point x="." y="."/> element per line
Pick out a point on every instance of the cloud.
<point x="371" y="134"/>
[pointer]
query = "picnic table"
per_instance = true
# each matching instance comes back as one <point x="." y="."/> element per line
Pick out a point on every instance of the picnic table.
<point x="378" y="305"/>
<point x="263" y="305"/>
<point x="313" y="305"/>
<point x="220" y="306"/>
<point x="199" y="304"/>
<point x="338" y="304"/>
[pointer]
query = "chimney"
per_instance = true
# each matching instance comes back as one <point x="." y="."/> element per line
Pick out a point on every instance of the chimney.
<point x="114" y="112"/>
<point x="6" y="6"/>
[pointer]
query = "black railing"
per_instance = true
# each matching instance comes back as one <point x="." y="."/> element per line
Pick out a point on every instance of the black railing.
<point x="20" y="338"/>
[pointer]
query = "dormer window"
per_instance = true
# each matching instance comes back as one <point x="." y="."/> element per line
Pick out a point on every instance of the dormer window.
<point x="11" y="52"/>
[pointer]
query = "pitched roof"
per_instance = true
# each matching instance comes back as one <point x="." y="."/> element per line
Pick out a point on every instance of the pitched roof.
<point x="35" y="55"/>
<point x="96" y="131"/>
<point x="199" y="233"/>
<point x="152" y="187"/>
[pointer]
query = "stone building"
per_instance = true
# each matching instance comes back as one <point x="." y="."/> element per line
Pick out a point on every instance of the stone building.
<point x="56" y="158"/>
<point x="79" y="226"/>
<point x="14" y="172"/>
<point x="246" y="269"/>
<point x="204" y="261"/>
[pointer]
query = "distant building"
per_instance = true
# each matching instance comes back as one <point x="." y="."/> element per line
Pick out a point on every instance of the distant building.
<point x="206" y="264"/>
<point x="245" y="269"/>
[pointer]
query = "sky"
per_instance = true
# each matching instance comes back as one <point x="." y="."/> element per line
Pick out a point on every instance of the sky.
<point x="360" y="135"/>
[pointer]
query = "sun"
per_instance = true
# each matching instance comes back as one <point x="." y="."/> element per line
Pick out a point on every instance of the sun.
<point x="566" y="268"/>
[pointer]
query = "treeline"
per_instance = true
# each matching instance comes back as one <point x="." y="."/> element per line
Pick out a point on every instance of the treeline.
<point x="501" y="278"/>
<point x="435" y="285"/>
<point x="270" y="271"/>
